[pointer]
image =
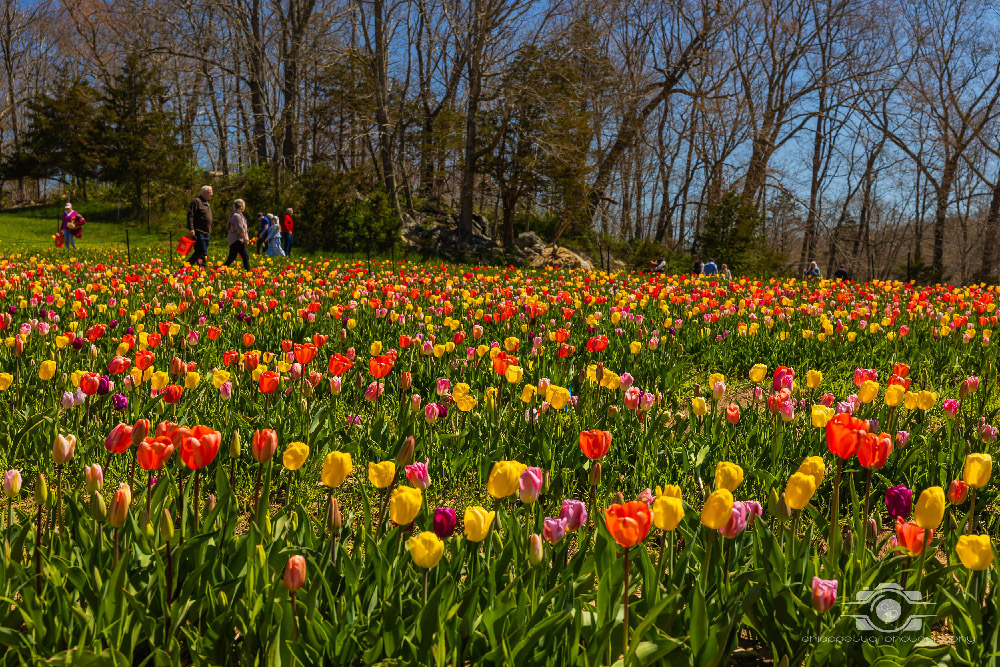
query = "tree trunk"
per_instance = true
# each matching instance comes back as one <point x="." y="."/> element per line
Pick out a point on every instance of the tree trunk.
<point x="942" y="195"/>
<point x="468" y="186"/>
<point x="991" y="227"/>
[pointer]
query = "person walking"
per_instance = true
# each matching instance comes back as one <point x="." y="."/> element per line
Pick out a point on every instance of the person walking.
<point x="72" y="226"/>
<point x="263" y="232"/>
<point x="199" y="223"/>
<point x="237" y="236"/>
<point x="274" y="239"/>
<point x="286" y="231"/>
<point x="710" y="268"/>
<point x="698" y="266"/>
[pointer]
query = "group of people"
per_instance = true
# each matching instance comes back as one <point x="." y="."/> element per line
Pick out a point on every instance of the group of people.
<point x="274" y="238"/>
<point x="813" y="273"/>
<point x="710" y="268"/>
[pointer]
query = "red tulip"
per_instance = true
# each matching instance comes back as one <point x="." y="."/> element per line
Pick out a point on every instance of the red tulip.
<point x="597" y="343"/>
<point x="154" y="340"/>
<point x="119" y="365"/>
<point x="319" y="340"/>
<point x="502" y="361"/>
<point x="912" y="536"/>
<point x="900" y="369"/>
<point x="873" y="450"/>
<point x="89" y="383"/>
<point x="248" y="339"/>
<point x="230" y="357"/>
<point x="268" y="383"/>
<point x="200" y="447"/>
<point x="172" y="393"/>
<point x="595" y="444"/>
<point x="295" y="573"/>
<point x="214" y="333"/>
<point x="119" y="440"/>
<point x="144" y="359"/>
<point x="844" y="435"/>
<point x="264" y="444"/>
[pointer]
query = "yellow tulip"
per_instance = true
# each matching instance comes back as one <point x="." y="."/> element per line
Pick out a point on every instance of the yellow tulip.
<point x="465" y="403"/>
<point x="669" y="490"/>
<point x="404" y="505"/>
<point x="813" y="379"/>
<point x="336" y="467"/>
<point x="821" y="415"/>
<point x="504" y="478"/>
<point x="698" y="406"/>
<point x="868" y="391"/>
<point x="460" y="389"/>
<point x="667" y="512"/>
<point x="381" y="474"/>
<point x="757" y="373"/>
<point x="930" y="508"/>
<point x="220" y="377"/>
<point x="477" y="523"/>
<point x="376" y="348"/>
<point x="47" y="369"/>
<point x="295" y="455"/>
<point x="799" y="490"/>
<point x="426" y="549"/>
<point x="191" y="379"/>
<point x="814" y="467"/>
<point x="514" y="374"/>
<point x="528" y="393"/>
<point x="910" y="400"/>
<point x="978" y="468"/>
<point x="728" y="476"/>
<point x="635" y="347"/>
<point x="926" y="400"/>
<point x="718" y="509"/>
<point x="6" y="379"/>
<point x="160" y="380"/>
<point x="894" y="395"/>
<point x="714" y="379"/>
<point x="975" y="551"/>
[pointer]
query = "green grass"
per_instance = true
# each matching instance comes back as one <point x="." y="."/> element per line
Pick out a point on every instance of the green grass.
<point x="31" y="229"/>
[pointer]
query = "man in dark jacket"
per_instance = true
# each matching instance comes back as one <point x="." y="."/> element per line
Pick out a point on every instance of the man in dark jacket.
<point x="199" y="222"/>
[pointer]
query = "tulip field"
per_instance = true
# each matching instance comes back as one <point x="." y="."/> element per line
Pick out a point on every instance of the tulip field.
<point x="328" y="462"/>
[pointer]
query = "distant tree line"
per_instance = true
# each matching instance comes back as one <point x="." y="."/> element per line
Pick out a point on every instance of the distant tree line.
<point x="768" y="133"/>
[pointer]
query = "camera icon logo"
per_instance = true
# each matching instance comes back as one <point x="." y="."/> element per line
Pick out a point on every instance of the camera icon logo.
<point x="888" y="608"/>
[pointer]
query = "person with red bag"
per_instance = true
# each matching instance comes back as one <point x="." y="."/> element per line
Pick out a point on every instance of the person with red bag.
<point x="72" y="226"/>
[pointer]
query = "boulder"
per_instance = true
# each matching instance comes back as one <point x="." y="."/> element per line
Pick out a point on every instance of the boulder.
<point x="439" y="235"/>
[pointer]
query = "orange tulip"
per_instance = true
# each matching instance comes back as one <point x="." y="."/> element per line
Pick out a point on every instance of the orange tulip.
<point x="319" y="340"/>
<point x="912" y="536"/>
<point x="380" y="366"/>
<point x="339" y="364"/>
<point x="502" y="362"/>
<point x="628" y="523"/>
<point x="119" y="440"/>
<point x="305" y="353"/>
<point x="597" y="344"/>
<point x="248" y="339"/>
<point x="200" y="447"/>
<point x="900" y="369"/>
<point x="214" y="333"/>
<point x="264" y="444"/>
<point x="230" y="357"/>
<point x="144" y="359"/>
<point x="153" y="452"/>
<point x="595" y="444"/>
<point x="844" y="435"/>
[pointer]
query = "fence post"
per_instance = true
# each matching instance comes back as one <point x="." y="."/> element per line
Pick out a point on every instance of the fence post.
<point x="170" y="249"/>
<point x="128" y="248"/>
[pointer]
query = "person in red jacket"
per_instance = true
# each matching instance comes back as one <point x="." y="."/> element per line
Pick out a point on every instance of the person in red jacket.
<point x="286" y="231"/>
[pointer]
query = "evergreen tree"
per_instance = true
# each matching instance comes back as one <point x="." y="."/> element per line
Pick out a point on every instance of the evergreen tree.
<point x="139" y="136"/>
<point x="730" y="234"/>
<point x="61" y="138"/>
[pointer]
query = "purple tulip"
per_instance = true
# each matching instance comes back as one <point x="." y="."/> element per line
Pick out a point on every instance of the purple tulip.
<point x="119" y="402"/>
<point x="553" y="529"/>
<point x="899" y="499"/>
<point x="444" y="522"/>
<point x="574" y="513"/>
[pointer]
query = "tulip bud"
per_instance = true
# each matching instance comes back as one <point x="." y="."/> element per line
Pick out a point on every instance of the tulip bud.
<point x="783" y="511"/>
<point x="41" y="490"/>
<point x="963" y="389"/>
<point x="236" y="446"/>
<point x="595" y="474"/>
<point x="295" y="573"/>
<point x="146" y="525"/>
<point x="140" y="431"/>
<point x="612" y="411"/>
<point x="619" y="498"/>
<point x="697" y="390"/>
<point x="405" y="380"/>
<point x="98" y="508"/>
<point x="118" y="512"/>
<point x="166" y="526"/>
<point x="599" y="371"/>
<point x="334" y="518"/>
<point x="405" y="454"/>
<point x="343" y="335"/>
<point x="535" y="552"/>
<point x="92" y="354"/>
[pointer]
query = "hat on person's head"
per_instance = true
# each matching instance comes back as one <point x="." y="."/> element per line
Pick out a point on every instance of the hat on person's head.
<point x="68" y="205"/>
